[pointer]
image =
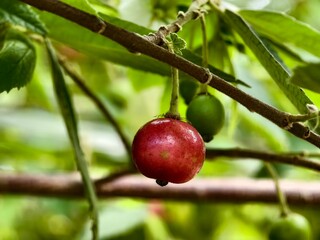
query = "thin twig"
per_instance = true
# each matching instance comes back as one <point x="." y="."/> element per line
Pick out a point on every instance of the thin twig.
<point x="284" y="209"/>
<point x="99" y="104"/>
<point x="224" y="190"/>
<point x="192" y="13"/>
<point x="295" y="159"/>
<point x="114" y="176"/>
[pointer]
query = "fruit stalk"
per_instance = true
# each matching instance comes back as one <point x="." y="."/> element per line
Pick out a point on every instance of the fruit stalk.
<point x="205" y="50"/>
<point x="174" y="102"/>
<point x="284" y="209"/>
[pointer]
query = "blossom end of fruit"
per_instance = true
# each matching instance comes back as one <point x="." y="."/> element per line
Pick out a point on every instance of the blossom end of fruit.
<point x="161" y="183"/>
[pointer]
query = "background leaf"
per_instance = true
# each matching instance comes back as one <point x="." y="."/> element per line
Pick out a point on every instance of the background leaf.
<point x="96" y="45"/>
<point x="67" y="111"/>
<point x="82" y="5"/>
<point x="284" y="29"/>
<point x="17" y="61"/>
<point x="34" y="140"/>
<point x="120" y="217"/>
<point x="307" y="76"/>
<point x="270" y="62"/>
<point x="17" y="13"/>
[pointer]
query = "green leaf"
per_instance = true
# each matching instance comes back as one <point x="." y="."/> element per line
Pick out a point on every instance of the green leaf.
<point x="103" y="7"/>
<point x="307" y="76"/>
<point x="17" y="61"/>
<point x="284" y="29"/>
<point x="269" y="61"/>
<point x="129" y="26"/>
<point x="218" y="53"/>
<point x="149" y="79"/>
<point x="281" y="47"/>
<point x="83" y="5"/>
<point x="196" y="59"/>
<point x="98" y="46"/>
<point x="20" y="14"/>
<point x="68" y="113"/>
<point x="3" y="31"/>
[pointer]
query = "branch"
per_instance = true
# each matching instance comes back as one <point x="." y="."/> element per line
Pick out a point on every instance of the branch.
<point x="193" y="12"/>
<point x="295" y="159"/>
<point x="137" y="43"/>
<point x="226" y="190"/>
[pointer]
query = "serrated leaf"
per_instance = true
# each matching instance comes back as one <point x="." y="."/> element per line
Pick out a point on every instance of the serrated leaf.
<point x="283" y="28"/>
<point x="17" y="61"/>
<point x="18" y="13"/>
<point x="68" y="114"/>
<point x="269" y="61"/>
<point x="178" y="43"/>
<point x="307" y="76"/>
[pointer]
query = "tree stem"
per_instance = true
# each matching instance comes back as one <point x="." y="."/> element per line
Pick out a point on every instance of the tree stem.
<point x="183" y="18"/>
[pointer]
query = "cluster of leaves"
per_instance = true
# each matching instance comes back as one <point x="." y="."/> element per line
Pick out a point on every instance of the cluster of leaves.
<point x="256" y="34"/>
<point x="17" y="56"/>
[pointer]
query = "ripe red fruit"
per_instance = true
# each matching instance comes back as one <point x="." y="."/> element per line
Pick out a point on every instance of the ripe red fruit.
<point x="168" y="150"/>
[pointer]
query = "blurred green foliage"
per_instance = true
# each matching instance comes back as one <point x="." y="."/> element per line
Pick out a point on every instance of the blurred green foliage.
<point x="33" y="138"/>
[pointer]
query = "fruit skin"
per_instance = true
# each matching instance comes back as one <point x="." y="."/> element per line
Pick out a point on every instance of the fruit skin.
<point x="168" y="150"/>
<point x="206" y="113"/>
<point x="292" y="227"/>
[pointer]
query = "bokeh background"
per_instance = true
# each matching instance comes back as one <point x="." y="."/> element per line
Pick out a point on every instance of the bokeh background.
<point x="33" y="138"/>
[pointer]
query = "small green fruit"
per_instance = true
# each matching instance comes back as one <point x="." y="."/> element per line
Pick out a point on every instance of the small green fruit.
<point x="188" y="89"/>
<point x="206" y="114"/>
<point x="292" y="227"/>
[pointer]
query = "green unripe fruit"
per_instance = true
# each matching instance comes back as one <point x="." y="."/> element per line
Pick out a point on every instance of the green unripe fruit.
<point x="188" y="89"/>
<point x="292" y="227"/>
<point x="206" y="114"/>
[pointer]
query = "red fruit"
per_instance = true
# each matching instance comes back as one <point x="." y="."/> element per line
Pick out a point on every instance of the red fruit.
<point x="168" y="150"/>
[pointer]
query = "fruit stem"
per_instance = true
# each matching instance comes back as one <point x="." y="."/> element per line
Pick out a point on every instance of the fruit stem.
<point x="174" y="102"/>
<point x="284" y="209"/>
<point x="205" y="50"/>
